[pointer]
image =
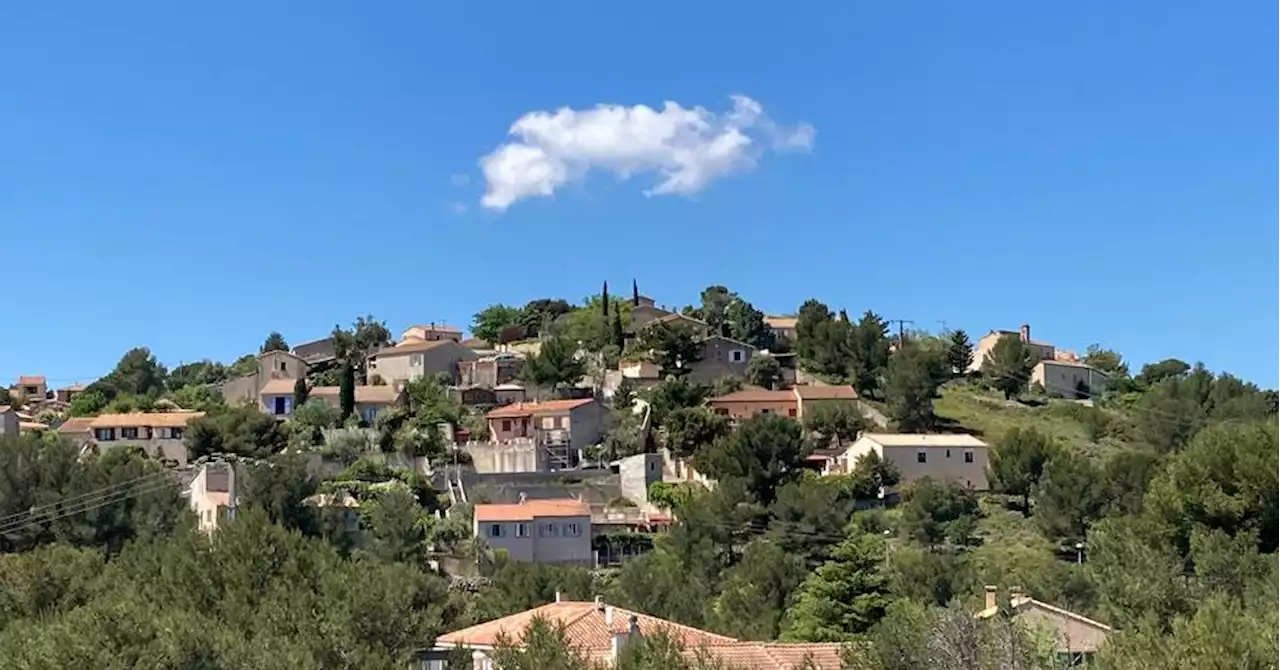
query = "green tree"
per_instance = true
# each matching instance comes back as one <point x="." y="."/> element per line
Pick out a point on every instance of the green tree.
<point x="556" y="364"/>
<point x="300" y="392"/>
<point x="936" y="511"/>
<point x="868" y="344"/>
<point x="689" y="429"/>
<point x="242" y="430"/>
<point x="1018" y="462"/>
<point x="834" y="421"/>
<point x="1008" y="366"/>
<point x="673" y="348"/>
<point x="1154" y="373"/>
<point x="764" y="371"/>
<point x="617" y="332"/>
<point x="822" y="342"/>
<point x="959" y="352"/>
<point x="199" y="373"/>
<point x="279" y="486"/>
<point x="395" y="527"/>
<point x="347" y="392"/>
<point x="755" y="592"/>
<point x="1070" y="496"/>
<point x="745" y="323"/>
<point x="843" y="597"/>
<point x="488" y="323"/>
<point x="198" y="398"/>
<point x="137" y="373"/>
<point x="274" y="342"/>
<point x="764" y="451"/>
<point x="88" y="403"/>
<point x="1106" y="360"/>
<point x="910" y="385"/>
<point x="713" y="307"/>
<point x="538" y="315"/>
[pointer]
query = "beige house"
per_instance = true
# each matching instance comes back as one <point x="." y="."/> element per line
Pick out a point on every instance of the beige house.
<point x="10" y="424"/>
<point x="431" y="332"/>
<point x="1042" y="351"/>
<point x="538" y="531"/>
<point x="1068" y="379"/>
<point x="68" y="393"/>
<point x="562" y="427"/>
<point x="159" y="433"/>
<point x="601" y="632"/>
<point x="721" y="357"/>
<point x="417" y="358"/>
<point x="1077" y="638"/>
<point x="273" y="366"/>
<point x="754" y="400"/>
<point x="212" y="495"/>
<point x="644" y="310"/>
<point x="959" y="458"/>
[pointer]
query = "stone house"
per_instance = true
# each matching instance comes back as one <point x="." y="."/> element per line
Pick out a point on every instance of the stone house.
<point x="277" y="398"/>
<point x="432" y="332"/>
<point x="1067" y="379"/>
<point x="1076" y="638"/>
<point x="414" y="359"/>
<point x="29" y="389"/>
<point x="791" y="402"/>
<point x="1041" y="351"/>
<point x="281" y="367"/>
<point x="562" y="428"/>
<point x="490" y="371"/>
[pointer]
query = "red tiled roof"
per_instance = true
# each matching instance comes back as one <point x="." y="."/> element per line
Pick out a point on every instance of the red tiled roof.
<point x="531" y="509"/>
<point x="30" y="380"/>
<point x="584" y="627"/>
<point x="826" y="392"/>
<point x="755" y="394"/>
<point x="413" y="346"/>
<point x="520" y="409"/>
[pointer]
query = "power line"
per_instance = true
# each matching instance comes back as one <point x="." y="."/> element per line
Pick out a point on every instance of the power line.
<point x="91" y="494"/>
<point x="85" y="506"/>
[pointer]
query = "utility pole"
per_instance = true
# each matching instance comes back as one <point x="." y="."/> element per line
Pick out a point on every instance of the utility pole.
<point x="902" y="329"/>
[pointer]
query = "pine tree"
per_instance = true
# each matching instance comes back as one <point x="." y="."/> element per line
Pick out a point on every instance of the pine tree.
<point x="1008" y="366"/>
<point x="959" y="352"/>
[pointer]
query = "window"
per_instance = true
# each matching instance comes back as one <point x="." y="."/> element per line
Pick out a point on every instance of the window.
<point x="129" y="433"/>
<point x="766" y="411"/>
<point x="948" y="453"/>
<point x="415" y="360"/>
<point x="548" y="422"/>
<point x="369" y="414"/>
<point x="284" y="367"/>
<point x="506" y="425"/>
<point x="175" y="433"/>
<point x="104" y="434"/>
<point x="791" y="412"/>
<point x="922" y="457"/>
<point x="737" y="355"/>
<point x="968" y="457"/>
<point x="548" y="529"/>
<point x="722" y="411"/>
<point x="279" y="405"/>
<point x="522" y="530"/>
<point x="495" y="530"/>
<point x="571" y="529"/>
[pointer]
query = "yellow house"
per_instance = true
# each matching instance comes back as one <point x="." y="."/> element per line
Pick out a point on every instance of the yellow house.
<point x="1042" y="351"/>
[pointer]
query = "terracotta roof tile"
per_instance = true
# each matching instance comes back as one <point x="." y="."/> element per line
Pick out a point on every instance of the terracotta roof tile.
<point x="925" y="440"/>
<point x="76" y="424"/>
<point x="531" y="509"/>
<point x="774" y="655"/>
<point x="34" y="380"/>
<point x="437" y="328"/>
<point x="532" y="408"/>
<point x="781" y="322"/>
<point x="755" y="394"/>
<point x="584" y="627"/>
<point x="826" y="392"/>
<point x="413" y="346"/>
<point x="144" y="419"/>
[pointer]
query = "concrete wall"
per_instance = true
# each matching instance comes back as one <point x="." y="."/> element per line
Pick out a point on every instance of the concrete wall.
<point x="940" y="462"/>
<point x="511" y="456"/>
<point x="1061" y="379"/>
<point x="542" y="540"/>
<point x="636" y="473"/>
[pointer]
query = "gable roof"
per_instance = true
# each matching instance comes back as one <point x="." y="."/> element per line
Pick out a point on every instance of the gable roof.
<point x="781" y="322"/>
<point x="584" y="627"/>
<point x="34" y="380"/>
<point x="414" y="346"/>
<point x="528" y="510"/>
<point x="436" y="328"/>
<point x="730" y="340"/>
<point x="589" y="628"/>
<point x="143" y="420"/>
<point x="531" y="408"/>
<point x="1023" y="603"/>
<point x="76" y="424"/>
<point x="925" y="440"/>
<point x="755" y="394"/>
<point x="844" y="392"/>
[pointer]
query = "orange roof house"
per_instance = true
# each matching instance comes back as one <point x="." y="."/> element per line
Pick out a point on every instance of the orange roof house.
<point x="600" y="632"/>
<point x="754" y="400"/>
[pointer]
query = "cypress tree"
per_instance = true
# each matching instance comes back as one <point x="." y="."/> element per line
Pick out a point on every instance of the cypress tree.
<point x="604" y="299"/>
<point x="347" y="391"/>
<point x="635" y="294"/>
<point x="300" y="392"/>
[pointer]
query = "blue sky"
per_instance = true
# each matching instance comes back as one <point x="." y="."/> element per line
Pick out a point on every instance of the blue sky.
<point x="191" y="177"/>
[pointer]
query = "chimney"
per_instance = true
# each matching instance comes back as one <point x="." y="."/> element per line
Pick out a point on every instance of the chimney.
<point x="608" y="616"/>
<point x="557" y="596"/>
<point x="633" y="627"/>
<point x="600" y="603"/>
<point x="621" y="638"/>
<point x="1024" y="333"/>
<point x="991" y="596"/>
<point x="523" y="497"/>
<point x="1015" y="594"/>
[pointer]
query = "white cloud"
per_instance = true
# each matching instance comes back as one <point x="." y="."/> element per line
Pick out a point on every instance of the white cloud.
<point x="686" y="148"/>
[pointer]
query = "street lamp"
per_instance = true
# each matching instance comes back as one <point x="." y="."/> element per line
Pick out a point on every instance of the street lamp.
<point x="1079" y="552"/>
<point x="886" y="535"/>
